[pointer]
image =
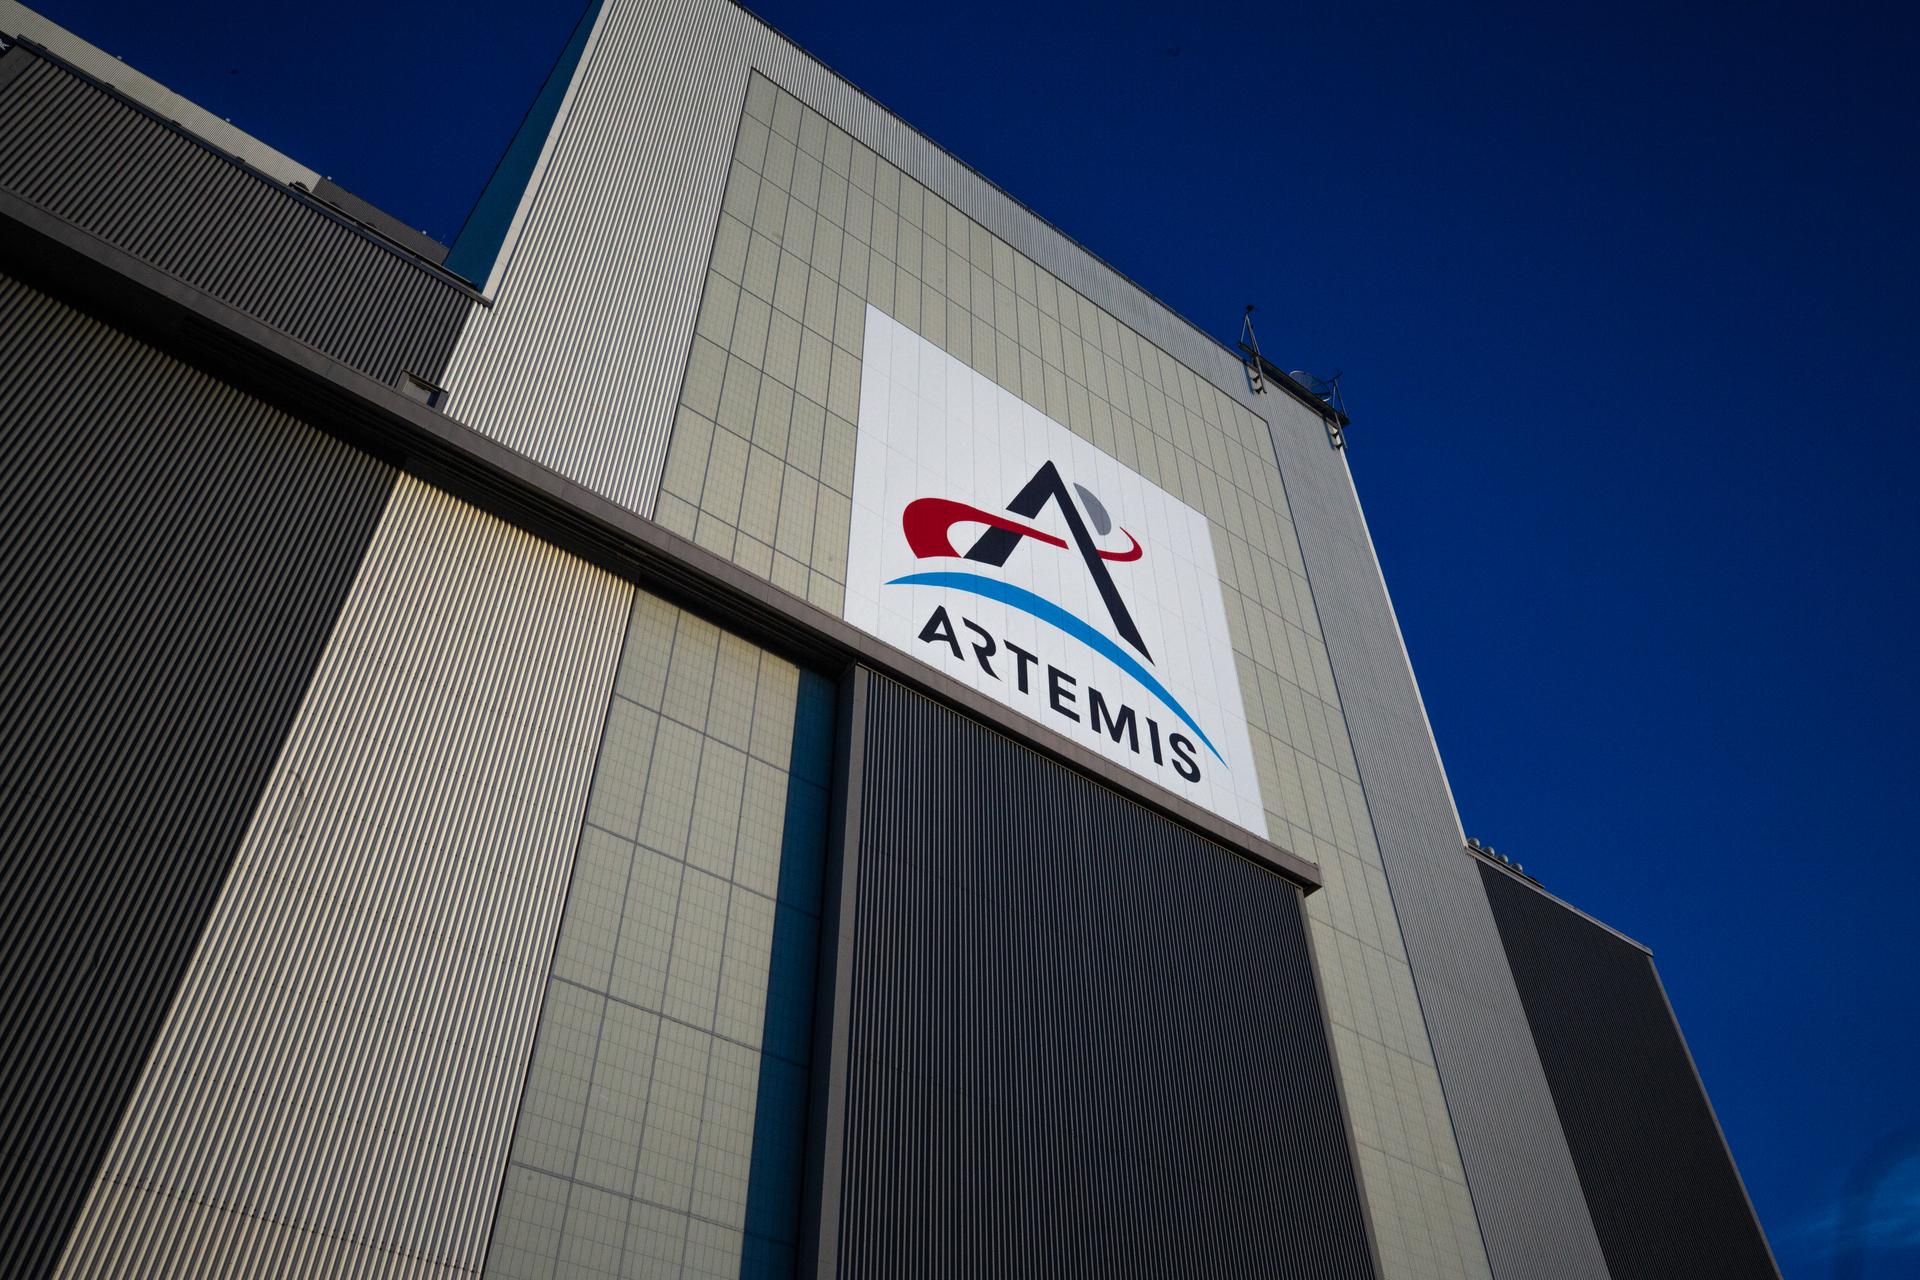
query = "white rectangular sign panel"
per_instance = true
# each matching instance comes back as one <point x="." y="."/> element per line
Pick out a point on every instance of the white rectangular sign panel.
<point x="994" y="544"/>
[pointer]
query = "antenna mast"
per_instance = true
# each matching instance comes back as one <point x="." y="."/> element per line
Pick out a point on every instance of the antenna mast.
<point x="1250" y="343"/>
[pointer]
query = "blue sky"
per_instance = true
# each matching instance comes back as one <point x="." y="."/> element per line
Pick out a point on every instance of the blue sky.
<point x="1624" y="299"/>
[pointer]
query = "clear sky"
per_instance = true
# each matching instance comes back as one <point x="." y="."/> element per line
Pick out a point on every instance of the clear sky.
<point x="1624" y="298"/>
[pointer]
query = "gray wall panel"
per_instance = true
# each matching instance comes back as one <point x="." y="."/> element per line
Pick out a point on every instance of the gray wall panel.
<point x="18" y="20"/>
<point x="337" y="1077"/>
<point x="80" y="152"/>
<point x="664" y="1110"/>
<point x="1526" y="1193"/>
<point x="1666" y="1199"/>
<point x="579" y="362"/>
<point x="1077" y="1033"/>
<point x="160" y="614"/>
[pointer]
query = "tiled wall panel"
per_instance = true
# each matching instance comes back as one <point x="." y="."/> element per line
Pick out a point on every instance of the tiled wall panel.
<point x="580" y="366"/>
<point x="579" y="363"/>
<point x="336" y="1080"/>
<point x="664" y="1115"/>
<point x="150" y="663"/>
<point x="813" y="228"/>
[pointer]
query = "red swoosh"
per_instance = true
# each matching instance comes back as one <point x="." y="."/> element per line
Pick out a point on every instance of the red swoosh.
<point x="929" y="522"/>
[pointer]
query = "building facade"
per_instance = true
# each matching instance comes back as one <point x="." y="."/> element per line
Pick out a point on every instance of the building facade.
<point x="763" y="712"/>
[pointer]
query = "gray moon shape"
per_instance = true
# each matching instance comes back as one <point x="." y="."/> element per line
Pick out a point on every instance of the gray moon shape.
<point x="1102" y="522"/>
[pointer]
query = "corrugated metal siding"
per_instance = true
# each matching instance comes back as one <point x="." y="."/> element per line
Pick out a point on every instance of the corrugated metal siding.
<point x="1665" y="1196"/>
<point x="18" y="20"/>
<point x="1082" y="1039"/>
<point x="580" y="361"/>
<point x="578" y="364"/>
<point x="1526" y="1196"/>
<point x="346" y="1053"/>
<point x="160" y="614"/>
<point x="81" y="153"/>
<point x="476" y="248"/>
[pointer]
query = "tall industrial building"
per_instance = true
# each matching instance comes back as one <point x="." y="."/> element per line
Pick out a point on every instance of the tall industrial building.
<point x="763" y="713"/>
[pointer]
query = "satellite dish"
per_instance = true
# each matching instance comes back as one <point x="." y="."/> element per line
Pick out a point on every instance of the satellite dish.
<point x="1325" y="390"/>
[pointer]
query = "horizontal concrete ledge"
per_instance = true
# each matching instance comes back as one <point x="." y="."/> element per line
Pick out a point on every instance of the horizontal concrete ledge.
<point x="78" y="267"/>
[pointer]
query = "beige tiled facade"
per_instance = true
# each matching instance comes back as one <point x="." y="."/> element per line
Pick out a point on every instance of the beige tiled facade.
<point x="631" y="1154"/>
<point x="813" y="227"/>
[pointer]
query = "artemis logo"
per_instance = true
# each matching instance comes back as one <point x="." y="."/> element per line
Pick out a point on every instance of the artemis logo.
<point x="977" y="543"/>
<point x="929" y="525"/>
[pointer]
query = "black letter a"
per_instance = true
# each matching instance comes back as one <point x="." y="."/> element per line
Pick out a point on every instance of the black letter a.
<point x="995" y="545"/>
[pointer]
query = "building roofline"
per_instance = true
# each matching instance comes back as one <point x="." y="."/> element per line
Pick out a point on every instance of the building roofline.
<point x="1527" y="880"/>
<point x="1272" y="372"/>
<point x="79" y="267"/>
<point x="130" y="82"/>
<point x="326" y="203"/>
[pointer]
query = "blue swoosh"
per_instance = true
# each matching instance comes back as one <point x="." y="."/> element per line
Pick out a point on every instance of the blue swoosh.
<point x="1047" y="611"/>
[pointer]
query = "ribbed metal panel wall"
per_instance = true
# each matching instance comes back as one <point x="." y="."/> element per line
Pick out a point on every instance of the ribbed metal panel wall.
<point x="334" y="1087"/>
<point x="1083" y="1041"/>
<point x="160" y="614"/>
<point x="1665" y="1197"/>
<point x="84" y="154"/>
<point x="579" y="362"/>
<point x="1525" y="1192"/>
<point x="577" y="366"/>
<point x="18" y="20"/>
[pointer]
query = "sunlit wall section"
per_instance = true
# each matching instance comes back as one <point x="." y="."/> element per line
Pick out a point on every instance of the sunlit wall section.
<point x="664" y="1119"/>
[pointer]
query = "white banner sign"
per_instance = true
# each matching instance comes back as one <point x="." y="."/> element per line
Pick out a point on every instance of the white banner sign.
<point x="991" y="542"/>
